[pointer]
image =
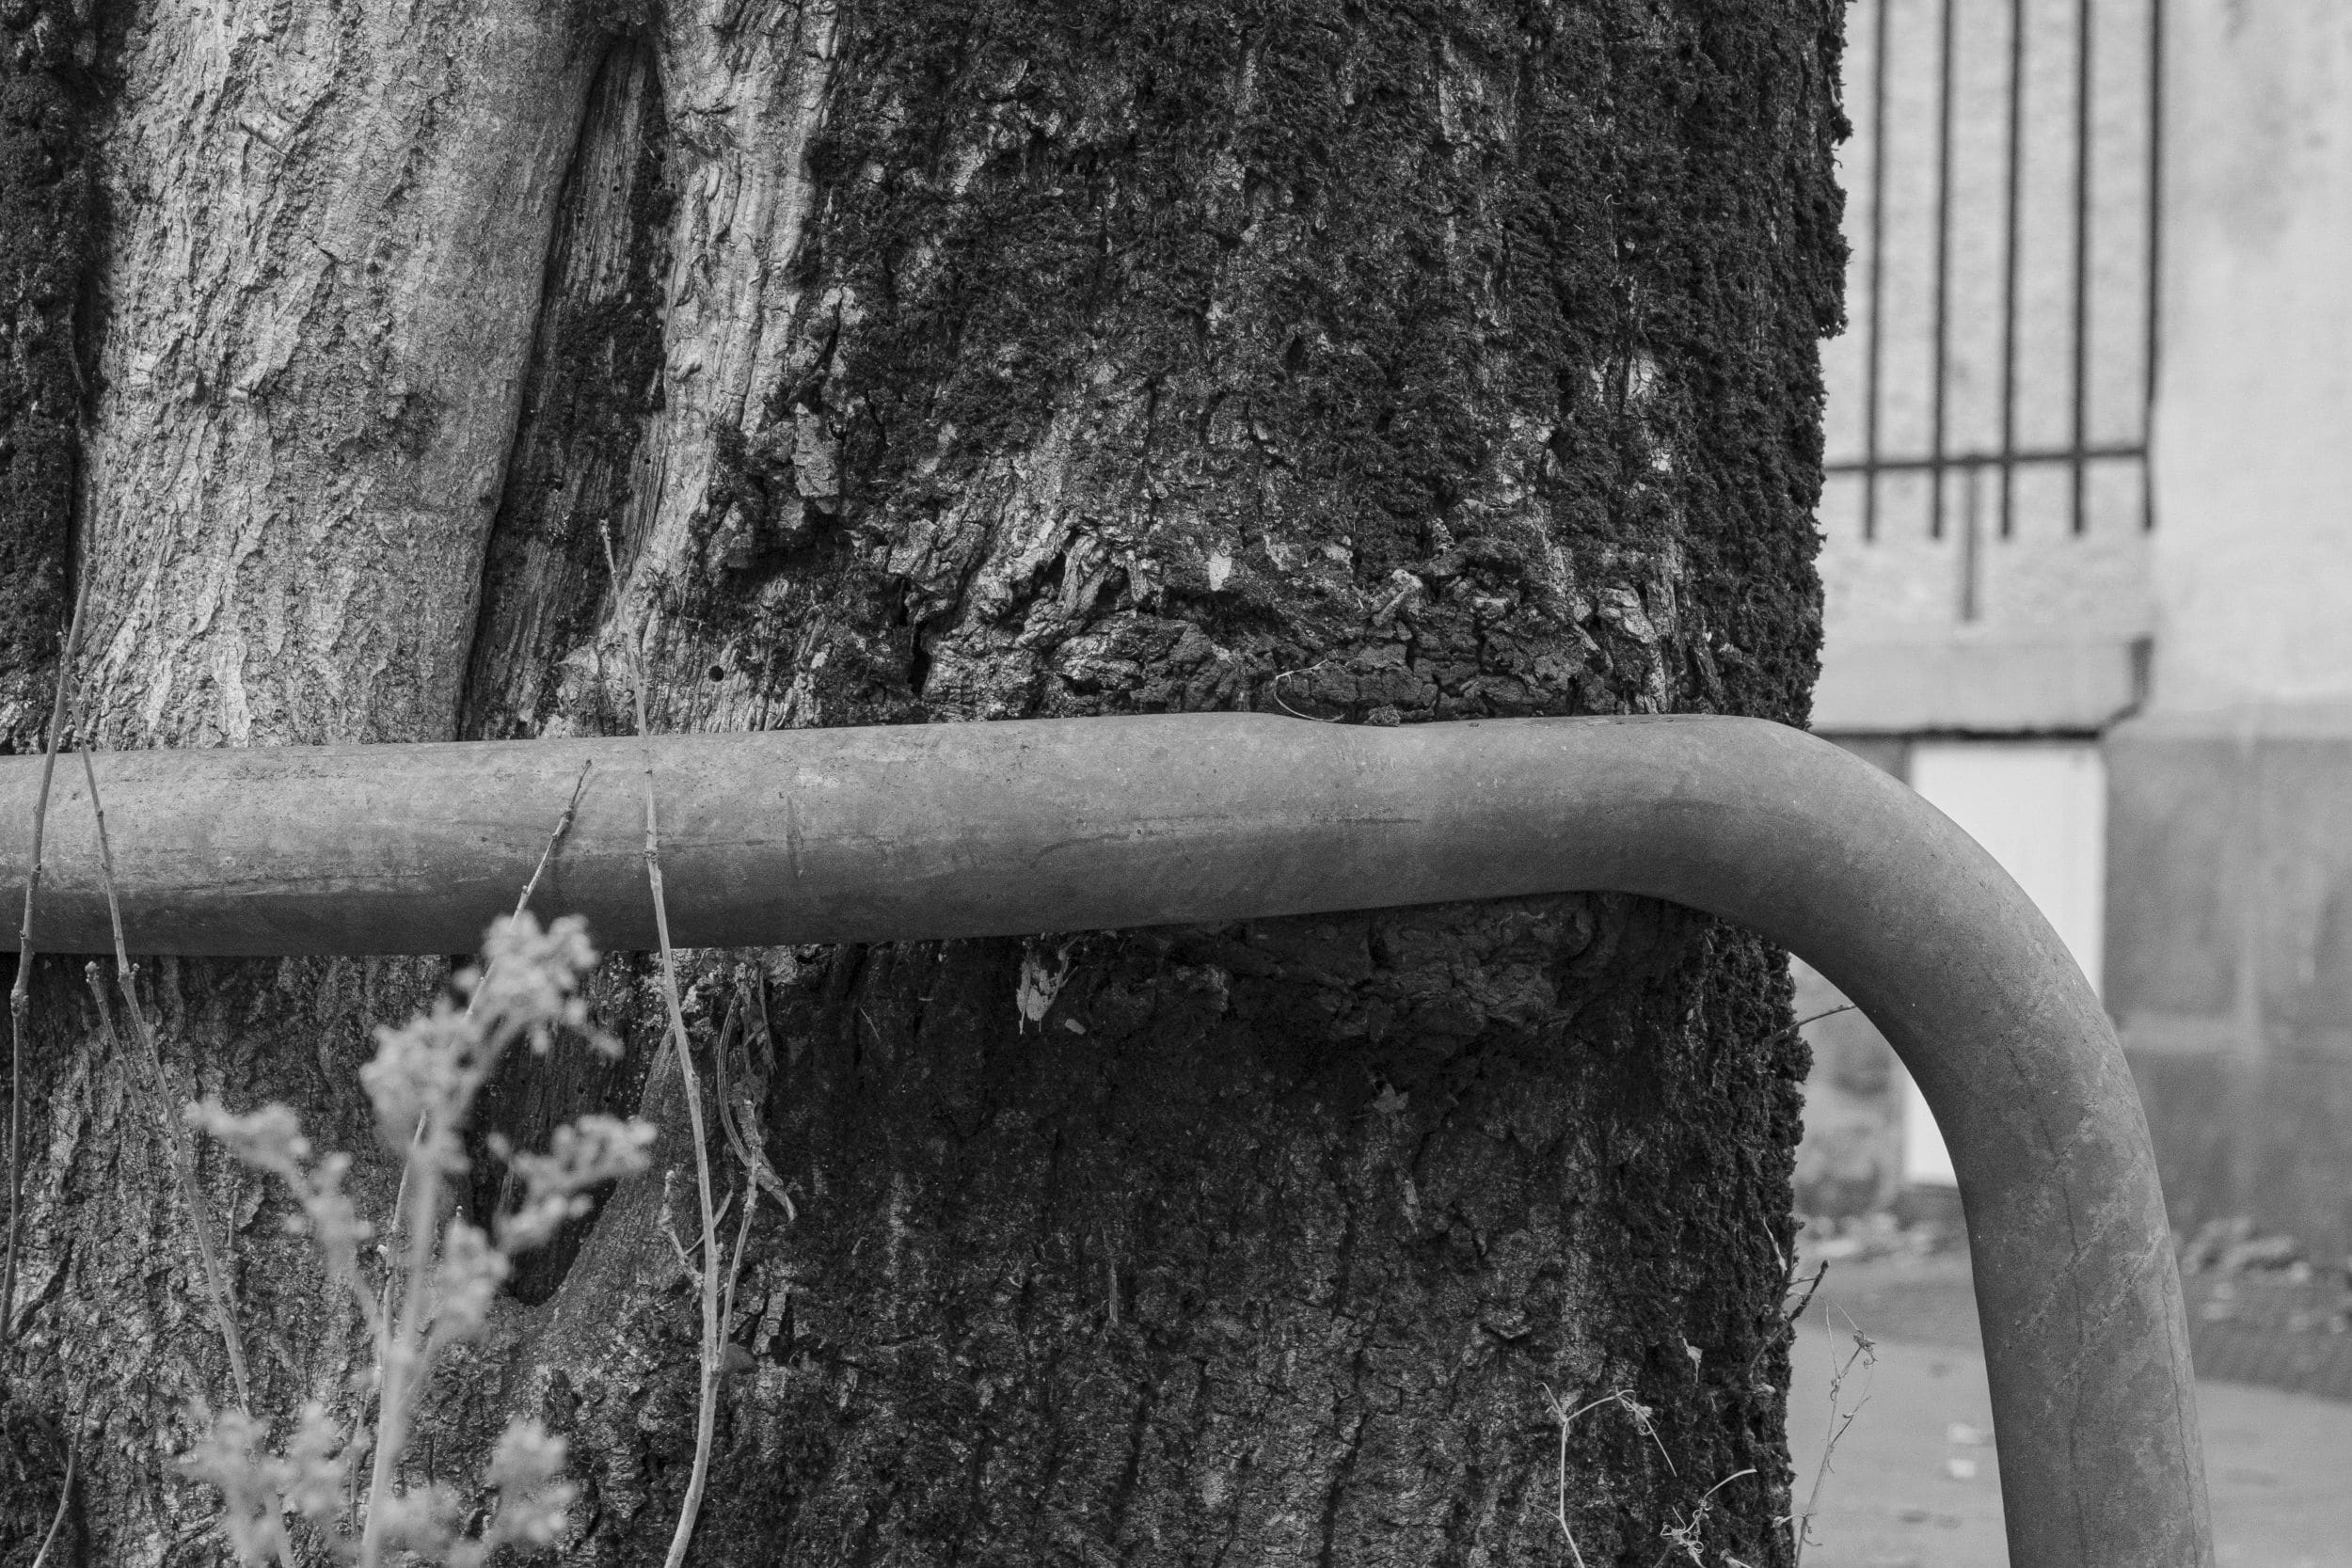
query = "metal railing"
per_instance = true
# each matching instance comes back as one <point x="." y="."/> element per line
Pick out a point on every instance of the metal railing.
<point x="2135" y="28"/>
<point x="931" y="830"/>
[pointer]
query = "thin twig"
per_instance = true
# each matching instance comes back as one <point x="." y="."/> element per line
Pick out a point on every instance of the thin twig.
<point x="1640" y="1415"/>
<point x="176" y="1142"/>
<point x="735" y="1265"/>
<point x="18" y="993"/>
<point x="1725" y="1481"/>
<point x="1813" y="1285"/>
<point x="1643" y="1425"/>
<point x="1788" y="1315"/>
<point x="747" y="1151"/>
<point x="1640" y="1419"/>
<point x="1685" y="1537"/>
<point x="759" y="1000"/>
<point x="706" y="1425"/>
<point x="1274" y="689"/>
<point x="562" y="826"/>
<point x="65" y="1495"/>
<point x="1779" y="1035"/>
<point x="1865" y="1352"/>
<point x="706" y="1419"/>
<point x="1826" y="1012"/>
<point x="1560" y="1497"/>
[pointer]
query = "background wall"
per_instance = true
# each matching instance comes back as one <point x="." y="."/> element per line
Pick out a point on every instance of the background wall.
<point x="2252" y="565"/>
<point x="2230" y="868"/>
<point x="2196" y="631"/>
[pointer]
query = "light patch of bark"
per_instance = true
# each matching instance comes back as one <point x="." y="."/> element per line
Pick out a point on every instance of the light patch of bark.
<point x="745" y="86"/>
<point x="331" y="226"/>
<point x="331" y="229"/>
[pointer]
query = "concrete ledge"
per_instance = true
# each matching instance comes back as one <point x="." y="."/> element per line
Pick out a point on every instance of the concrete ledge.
<point x="1991" y="685"/>
<point x="2246" y="725"/>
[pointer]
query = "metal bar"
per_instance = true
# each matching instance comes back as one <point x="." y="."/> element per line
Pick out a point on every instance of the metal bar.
<point x="2012" y="248"/>
<point x="920" y="831"/>
<point x="1988" y="459"/>
<point x="1874" y="367"/>
<point x="1972" y="543"/>
<point x="2083" y="135"/>
<point x="1936" y="394"/>
<point x="2156" y="250"/>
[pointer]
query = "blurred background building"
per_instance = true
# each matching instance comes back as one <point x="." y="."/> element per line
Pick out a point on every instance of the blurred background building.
<point x="2087" y="551"/>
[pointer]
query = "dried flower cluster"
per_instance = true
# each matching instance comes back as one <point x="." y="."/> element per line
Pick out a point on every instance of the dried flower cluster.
<point x="440" y="1278"/>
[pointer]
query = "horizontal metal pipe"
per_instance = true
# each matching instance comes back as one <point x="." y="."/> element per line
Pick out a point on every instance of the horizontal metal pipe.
<point x="1002" y="829"/>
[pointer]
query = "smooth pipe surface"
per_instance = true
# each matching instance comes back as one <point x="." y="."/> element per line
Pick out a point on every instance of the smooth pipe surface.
<point x="1055" y="825"/>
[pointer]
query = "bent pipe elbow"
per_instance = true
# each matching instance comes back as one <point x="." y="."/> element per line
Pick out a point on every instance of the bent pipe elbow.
<point x="1047" y="825"/>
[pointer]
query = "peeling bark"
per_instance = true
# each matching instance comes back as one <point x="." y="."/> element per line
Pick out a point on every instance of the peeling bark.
<point x="1375" y="363"/>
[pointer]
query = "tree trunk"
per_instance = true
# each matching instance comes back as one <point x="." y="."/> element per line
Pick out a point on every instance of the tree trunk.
<point x="1375" y="362"/>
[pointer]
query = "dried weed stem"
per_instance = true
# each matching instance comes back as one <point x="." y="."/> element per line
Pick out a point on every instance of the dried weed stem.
<point x="20" y="993"/>
<point x="707" y="1412"/>
<point x="1865" y="1352"/>
<point x="1564" y="1419"/>
<point x="402" y="1355"/>
<point x="57" y="1520"/>
<point x="178" y="1146"/>
<point x="562" y="827"/>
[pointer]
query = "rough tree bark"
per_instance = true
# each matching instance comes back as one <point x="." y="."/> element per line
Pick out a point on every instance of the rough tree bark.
<point x="1372" y="360"/>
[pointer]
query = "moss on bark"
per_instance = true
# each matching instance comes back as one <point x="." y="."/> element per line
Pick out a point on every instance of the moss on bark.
<point x="1377" y="363"/>
<point x="48" y="236"/>
<point x="1481" y="317"/>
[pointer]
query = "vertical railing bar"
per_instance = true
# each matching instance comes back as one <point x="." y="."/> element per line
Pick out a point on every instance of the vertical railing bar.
<point x="2155" y="255"/>
<point x="2010" y="264"/>
<point x="1874" y="366"/>
<point x="1943" y="271"/>
<point x="1971" y="544"/>
<point x="2082" y="254"/>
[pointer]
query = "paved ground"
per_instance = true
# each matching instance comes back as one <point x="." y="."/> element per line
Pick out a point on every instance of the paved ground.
<point x="1913" y="1484"/>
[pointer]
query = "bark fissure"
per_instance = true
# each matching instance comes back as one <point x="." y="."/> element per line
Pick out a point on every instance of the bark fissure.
<point x="1344" y="1473"/>
<point x="591" y="386"/>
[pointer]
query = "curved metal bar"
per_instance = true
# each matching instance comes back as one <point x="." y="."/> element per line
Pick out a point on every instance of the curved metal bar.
<point x="973" y="830"/>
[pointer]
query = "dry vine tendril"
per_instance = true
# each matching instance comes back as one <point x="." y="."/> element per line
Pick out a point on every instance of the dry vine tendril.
<point x="422" y="1084"/>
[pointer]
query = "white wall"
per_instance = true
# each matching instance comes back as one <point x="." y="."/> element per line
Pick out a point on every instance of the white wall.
<point x="2041" y="809"/>
<point x="2253" y="433"/>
